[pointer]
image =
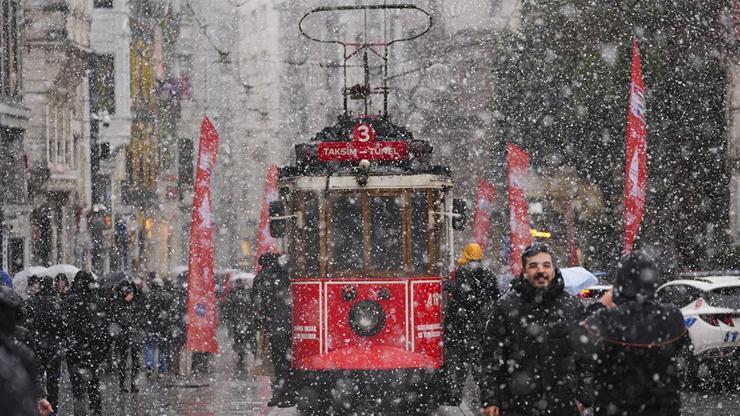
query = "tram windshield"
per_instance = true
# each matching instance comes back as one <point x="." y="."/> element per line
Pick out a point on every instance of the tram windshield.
<point x="367" y="233"/>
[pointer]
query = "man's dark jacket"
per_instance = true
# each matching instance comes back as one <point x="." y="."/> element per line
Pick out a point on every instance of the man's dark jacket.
<point x="271" y="295"/>
<point x="88" y="339"/>
<point x="473" y="294"/>
<point x="46" y="324"/>
<point x="636" y="347"/>
<point x="158" y="317"/>
<point x="528" y="359"/>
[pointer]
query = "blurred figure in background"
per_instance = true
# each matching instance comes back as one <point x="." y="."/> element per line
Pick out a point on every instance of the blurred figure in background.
<point x="472" y="293"/>
<point x="176" y="332"/>
<point x="157" y="322"/>
<point x="271" y="298"/>
<point x="46" y="327"/>
<point x="88" y="342"/>
<point x="126" y="314"/>
<point x="239" y="316"/>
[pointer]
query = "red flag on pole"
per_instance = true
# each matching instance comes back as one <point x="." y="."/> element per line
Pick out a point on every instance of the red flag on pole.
<point x="265" y="242"/>
<point x="635" y="172"/>
<point x="201" y="313"/>
<point x="521" y="235"/>
<point x="483" y="209"/>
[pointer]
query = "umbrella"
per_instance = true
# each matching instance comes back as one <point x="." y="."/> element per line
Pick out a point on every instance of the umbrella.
<point x="20" y="280"/>
<point x="577" y="279"/>
<point x="66" y="269"/>
<point x="248" y="279"/>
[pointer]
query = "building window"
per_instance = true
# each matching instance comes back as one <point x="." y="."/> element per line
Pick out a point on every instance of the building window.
<point x="102" y="84"/>
<point x="62" y="145"/>
<point x="9" y="49"/>
<point x="103" y="4"/>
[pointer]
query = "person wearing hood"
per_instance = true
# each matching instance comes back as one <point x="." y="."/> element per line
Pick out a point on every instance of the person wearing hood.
<point x="528" y="361"/>
<point x="126" y="324"/>
<point x="271" y="298"/>
<point x="637" y="345"/>
<point x="472" y="293"/>
<point x="156" y="322"/>
<point x="46" y="327"/>
<point x="88" y="342"/>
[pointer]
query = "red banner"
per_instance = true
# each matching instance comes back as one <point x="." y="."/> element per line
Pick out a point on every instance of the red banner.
<point x="265" y="242"/>
<point x="635" y="171"/>
<point x="483" y="209"/>
<point x="201" y="313"/>
<point x="517" y="161"/>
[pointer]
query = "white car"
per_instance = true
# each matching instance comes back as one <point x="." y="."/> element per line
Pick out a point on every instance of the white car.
<point x="711" y="309"/>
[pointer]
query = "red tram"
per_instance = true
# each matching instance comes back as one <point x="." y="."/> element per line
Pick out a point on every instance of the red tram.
<point x="367" y="222"/>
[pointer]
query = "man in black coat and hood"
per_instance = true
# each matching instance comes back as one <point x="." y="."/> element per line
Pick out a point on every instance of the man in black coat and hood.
<point x="637" y="345"/>
<point x="271" y="298"/>
<point x="528" y="360"/>
<point x="88" y="342"/>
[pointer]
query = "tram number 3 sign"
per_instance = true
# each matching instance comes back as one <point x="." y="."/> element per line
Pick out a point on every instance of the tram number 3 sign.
<point x="362" y="146"/>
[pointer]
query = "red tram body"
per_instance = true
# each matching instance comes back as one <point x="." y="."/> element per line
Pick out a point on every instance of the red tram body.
<point x="367" y="222"/>
<point x="369" y="243"/>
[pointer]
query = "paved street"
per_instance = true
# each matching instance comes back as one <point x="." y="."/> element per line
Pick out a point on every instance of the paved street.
<point x="221" y="393"/>
<point x="224" y="393"/>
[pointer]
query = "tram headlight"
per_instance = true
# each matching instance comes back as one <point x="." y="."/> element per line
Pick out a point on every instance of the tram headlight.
<point x="366" y="318"/>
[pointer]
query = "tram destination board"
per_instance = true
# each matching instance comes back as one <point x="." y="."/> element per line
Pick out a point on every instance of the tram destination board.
<point x="363" y="146"/>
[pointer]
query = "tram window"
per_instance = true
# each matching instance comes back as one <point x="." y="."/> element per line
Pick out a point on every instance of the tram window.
<point x="311" y="236"/>
<point x="386" y="233"/>
<point x="419" y="230"/>
<point x="347" y="244"/>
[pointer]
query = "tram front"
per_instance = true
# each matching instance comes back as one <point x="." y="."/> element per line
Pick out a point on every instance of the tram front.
<point x="367" y="222"/>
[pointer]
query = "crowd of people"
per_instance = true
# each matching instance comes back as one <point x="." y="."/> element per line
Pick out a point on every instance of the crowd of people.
<point x="533" y="349"/>
<point x="94" y="327"/>
<point x="537" y="350"/>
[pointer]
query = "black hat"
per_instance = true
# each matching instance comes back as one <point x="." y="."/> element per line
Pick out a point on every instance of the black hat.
<point x="637" y="277"/>
<point x="268" y="259"/>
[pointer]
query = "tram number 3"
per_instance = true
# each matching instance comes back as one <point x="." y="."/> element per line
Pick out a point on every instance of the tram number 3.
<point x="732" y="336"/>
<point x="363" y="133"/>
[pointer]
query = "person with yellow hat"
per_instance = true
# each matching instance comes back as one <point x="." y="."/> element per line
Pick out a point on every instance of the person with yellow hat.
<point x="472" y="291"/>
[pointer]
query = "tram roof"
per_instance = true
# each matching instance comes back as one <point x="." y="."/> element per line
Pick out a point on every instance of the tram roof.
<point x="340" y="148"/>
<point x="380" y="182"/>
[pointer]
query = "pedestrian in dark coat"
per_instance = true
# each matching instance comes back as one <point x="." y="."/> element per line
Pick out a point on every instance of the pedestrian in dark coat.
<point x="239" y="315"/>
<point x="126" y="315"/>
<point x="20" y="394"/>
<point x="528" y="359"/>
<point x="271" y="297"/>
<point x="156" y="320"/>
<point x="472" y="294"/>
<point x="45" y="323"/>
<point x="636" y="345"/>
<point x="87" y="342"/>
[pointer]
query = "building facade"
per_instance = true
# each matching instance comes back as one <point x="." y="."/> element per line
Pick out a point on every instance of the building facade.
<point x="109" y="77"/>
<point x="15" y="211"/>
<point x="266" y="87"/>
<point x="56" y="46"/>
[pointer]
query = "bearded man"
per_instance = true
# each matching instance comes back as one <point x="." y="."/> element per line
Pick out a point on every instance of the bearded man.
<point x="528" y="360"/>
